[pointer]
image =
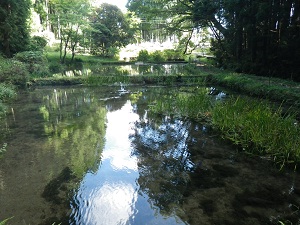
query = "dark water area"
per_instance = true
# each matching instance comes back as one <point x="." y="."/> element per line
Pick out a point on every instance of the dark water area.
<point x="97" y="156"/>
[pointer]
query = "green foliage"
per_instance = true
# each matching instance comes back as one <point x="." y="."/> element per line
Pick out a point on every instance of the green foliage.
<point x="111" y="29"/>
<point x="185" y="104"/>
<point x="36" y="62"/>
<point x="273" y="89"/>
<point x="56" y="67"/>
<point x="6" y="92"/>
<point x="157" y="56"/>
<point x="143" y="56"/>
<point x="37" y="43"/>
<point x="247" y="37"/>
<point x="13" y="71"/>
<point x="113" y="52"/>
<point x="257" y="128"/>
<point x="173" y="55"/>
<point x="68" y="18"/>
<point x="14" y="32"/>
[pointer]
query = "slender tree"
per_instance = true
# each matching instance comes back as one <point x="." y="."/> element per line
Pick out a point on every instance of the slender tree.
<point x="70" y="20"/>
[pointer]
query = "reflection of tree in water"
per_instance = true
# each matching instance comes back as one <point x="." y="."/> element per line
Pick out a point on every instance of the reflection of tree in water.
<point x="164" y="162"/>
<point x="75" y="126"/>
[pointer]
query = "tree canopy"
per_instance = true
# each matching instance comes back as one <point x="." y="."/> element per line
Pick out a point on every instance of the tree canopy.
<point x="261" y="37"/>
<point x="252" y="36"/>
<point x="14" y="33"/>
<point x="111" y="29"/>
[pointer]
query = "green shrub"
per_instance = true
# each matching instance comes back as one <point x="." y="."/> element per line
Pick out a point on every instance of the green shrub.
<point x="173" y="55"/>
<point x="13" y="71"/>
<point x="56" y="67"/>
<point x="6" y="92"/>
<point x="37" y="43"/>
<point x="143" y="56"/>
<point x="158" y="56"/>
<point x="113" y="53"/>
<point x="36" y="62"/>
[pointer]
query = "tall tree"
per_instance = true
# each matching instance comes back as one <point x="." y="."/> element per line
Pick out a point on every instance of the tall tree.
<point x="260" y="37"/>
<point x="70" y="18"/>
<point x="111" y="29"/>
<point x="14" y="33"/>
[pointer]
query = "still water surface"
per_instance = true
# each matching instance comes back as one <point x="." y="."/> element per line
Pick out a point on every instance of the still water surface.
<point x="130" y="69"/>
<point x="96" y="156"/>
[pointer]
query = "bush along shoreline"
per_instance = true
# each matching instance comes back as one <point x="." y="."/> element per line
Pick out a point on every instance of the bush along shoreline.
<point x="254" y="126"/>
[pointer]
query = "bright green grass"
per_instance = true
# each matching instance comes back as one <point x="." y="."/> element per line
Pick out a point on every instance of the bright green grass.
<point x="53" y="56"/>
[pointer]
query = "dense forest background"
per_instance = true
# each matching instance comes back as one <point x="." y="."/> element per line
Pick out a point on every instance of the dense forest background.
<point x="251" y="36"/>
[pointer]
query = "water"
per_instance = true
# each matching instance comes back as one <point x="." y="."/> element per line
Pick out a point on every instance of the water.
<point x="97" y="156"/>
<point x="130" y="69"/>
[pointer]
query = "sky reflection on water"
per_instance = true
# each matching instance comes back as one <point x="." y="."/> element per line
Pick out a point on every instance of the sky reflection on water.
<point x="111" y="195"/>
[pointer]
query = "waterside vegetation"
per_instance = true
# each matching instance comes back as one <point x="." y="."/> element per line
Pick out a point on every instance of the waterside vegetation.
<point x="256" y="127"/>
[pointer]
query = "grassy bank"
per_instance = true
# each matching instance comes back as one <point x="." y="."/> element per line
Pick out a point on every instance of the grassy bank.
<point x="263" y="87"/>
<point x="252" y="125"/>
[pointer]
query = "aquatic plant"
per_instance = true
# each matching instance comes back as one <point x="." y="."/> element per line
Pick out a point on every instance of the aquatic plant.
<point x="185" y="104"/>
<point x="3" y="222"/>
<point x="257" y="128"/>
<point x="253" y="125"/>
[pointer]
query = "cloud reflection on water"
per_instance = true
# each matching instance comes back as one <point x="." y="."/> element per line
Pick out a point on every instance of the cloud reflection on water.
<point x="118" y="146"/>
<point x="108" y="197"/>
<point x="111" y="204"/>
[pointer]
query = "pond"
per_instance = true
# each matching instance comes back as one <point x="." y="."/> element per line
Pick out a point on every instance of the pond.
<point x="126" y="69"/>
<point x="97" y="156"/>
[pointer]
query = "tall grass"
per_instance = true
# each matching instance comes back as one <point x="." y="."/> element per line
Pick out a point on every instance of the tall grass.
<point x="256" y="127"/>
<point x="253" y="125"/>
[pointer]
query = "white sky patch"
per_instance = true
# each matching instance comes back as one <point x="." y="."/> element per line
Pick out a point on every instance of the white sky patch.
<point x="112" y="204"/>
<point x="120" y="3"/>
<point x="118" y="145"/>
